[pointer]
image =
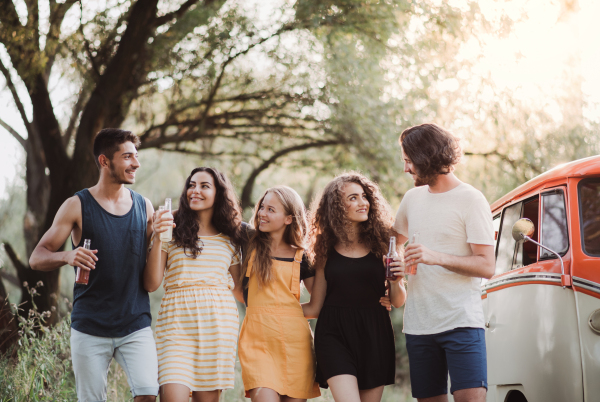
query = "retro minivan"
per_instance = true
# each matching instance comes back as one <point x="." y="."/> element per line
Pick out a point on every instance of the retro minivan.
<point x="542" y="306"/>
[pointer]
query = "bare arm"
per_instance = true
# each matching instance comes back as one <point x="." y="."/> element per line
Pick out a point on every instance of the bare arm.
<point x="45" y="256"/>
<point x="149" y="219"/>
<point x="156" y="262"/>
<point x="317" y="297"/>
<point x="481" y="264"/>
<point x="309" y="283"/>
<point x="400" y="239"/>
<point x="237" y="291"/>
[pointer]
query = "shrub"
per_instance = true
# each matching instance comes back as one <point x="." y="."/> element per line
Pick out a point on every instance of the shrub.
<point x="42" y="369"/>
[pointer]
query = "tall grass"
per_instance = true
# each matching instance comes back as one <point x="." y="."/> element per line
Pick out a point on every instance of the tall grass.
<point x="42" y="369"/>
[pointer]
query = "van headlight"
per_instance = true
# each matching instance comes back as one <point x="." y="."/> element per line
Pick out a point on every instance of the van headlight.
<point x="594" y="321"/>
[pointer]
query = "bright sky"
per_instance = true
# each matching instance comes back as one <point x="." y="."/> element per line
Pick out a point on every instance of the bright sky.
<point x="542" y="49"/>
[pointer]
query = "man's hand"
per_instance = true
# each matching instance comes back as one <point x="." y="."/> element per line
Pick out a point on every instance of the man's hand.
<point x="480" y="264"/>
<point x="419" y="254"/>
<point x="82" y="258"/>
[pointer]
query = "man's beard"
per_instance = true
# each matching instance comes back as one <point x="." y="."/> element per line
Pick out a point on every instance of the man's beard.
<point x="424" y="180"/>
<point x="116" y="178"/>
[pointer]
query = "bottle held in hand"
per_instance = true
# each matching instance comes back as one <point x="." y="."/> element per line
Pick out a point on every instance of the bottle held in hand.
<point x="412" y="268"/>
<point x="166" y="237"/>
<point x="82" y="276"/>
<point x="389" y="259"/>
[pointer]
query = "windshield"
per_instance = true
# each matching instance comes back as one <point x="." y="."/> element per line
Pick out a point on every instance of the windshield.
<point x="589" y="212"/>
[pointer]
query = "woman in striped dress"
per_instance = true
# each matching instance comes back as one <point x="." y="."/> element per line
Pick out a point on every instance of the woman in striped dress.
<point x="197" y="326"/>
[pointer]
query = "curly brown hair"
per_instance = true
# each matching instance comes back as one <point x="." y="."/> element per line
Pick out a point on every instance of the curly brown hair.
<point x="328" y="219"/>
<point x="226" y="218"/>
<point x="431" y="149"/>
<point x="260" y="242"/>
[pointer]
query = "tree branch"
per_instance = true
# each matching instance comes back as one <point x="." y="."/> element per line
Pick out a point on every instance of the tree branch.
<point x="247" y="190"/>
<point x="14" y="258"/>
<point x="74" y="114"/>
<point x="13" y="280"/>
<point x="177" y="13"/>
<point x="207" y="154"/>
<point x="86" y="44"/>
<point x="57" y="15"/>
<point x="514" y="163"/>
<point x="18" y="137"/>
<point x="213" y="92"/>
<point x="18" y="103"/>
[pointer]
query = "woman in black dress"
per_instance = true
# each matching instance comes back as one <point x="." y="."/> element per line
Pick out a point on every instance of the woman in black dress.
<point x="354" y="339"/>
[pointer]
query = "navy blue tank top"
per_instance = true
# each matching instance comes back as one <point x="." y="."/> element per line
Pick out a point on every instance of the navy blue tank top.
<point x="114" y="303"/>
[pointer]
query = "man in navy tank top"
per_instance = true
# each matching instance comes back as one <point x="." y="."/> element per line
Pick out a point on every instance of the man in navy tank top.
<point x="449" y="225"/>
<point x="111" y="314"/>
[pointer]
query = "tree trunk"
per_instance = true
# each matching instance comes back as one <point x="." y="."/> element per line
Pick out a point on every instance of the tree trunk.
<point x="8" y="324"/>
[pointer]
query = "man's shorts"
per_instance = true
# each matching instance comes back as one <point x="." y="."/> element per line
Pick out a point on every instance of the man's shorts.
<point x="460" y="352"/>
<point x="91" y="355"/>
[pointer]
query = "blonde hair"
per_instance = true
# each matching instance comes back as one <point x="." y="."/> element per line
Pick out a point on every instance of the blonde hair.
<point x="260" y="242"/>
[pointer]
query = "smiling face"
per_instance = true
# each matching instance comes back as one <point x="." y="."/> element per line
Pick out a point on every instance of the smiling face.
<point x="272" y="216"/>
<point x="124" y="164"/>
<point x="201" y="192"/>
<point x="356" y="203"/>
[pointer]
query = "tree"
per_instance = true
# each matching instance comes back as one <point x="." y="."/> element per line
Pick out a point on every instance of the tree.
<point x="202" y="77"/>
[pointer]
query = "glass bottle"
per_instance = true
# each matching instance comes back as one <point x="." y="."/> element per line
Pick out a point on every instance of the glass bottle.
<point x="166" y="237"/>
<point x="412" y="268"/>
<point x="389" y="259"/>
<point x="82" y="276"/>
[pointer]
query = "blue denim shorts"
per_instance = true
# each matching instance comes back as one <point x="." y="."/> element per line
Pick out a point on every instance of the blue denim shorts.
<point x="460" y="352"/>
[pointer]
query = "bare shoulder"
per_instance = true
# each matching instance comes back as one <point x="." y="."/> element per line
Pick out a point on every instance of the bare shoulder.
<point x="70" y="210"/>
<point x="149" y="208"/>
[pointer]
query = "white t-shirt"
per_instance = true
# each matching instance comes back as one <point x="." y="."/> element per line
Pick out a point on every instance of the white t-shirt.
<point x="438" y="299"/>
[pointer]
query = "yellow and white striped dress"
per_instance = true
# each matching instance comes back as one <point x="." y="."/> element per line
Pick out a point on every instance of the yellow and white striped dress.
<point x="197" y="326"/>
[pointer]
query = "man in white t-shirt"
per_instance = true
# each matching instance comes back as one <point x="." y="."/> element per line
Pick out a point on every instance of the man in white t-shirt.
<point x="443" y="317"/>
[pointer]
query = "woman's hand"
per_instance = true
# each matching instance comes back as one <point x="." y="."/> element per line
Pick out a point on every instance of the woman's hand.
<point x="161" y="221"/>
<point x="386" y="302"/>
<point x="398" y="268"/>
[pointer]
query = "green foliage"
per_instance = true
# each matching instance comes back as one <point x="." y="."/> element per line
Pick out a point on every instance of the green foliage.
<point x="12" y="212"/>
<point x="42" y="370"/>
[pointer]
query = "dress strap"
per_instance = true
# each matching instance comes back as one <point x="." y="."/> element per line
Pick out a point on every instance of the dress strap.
<point x="295" y="285"/>
<point x="250" y="263"/>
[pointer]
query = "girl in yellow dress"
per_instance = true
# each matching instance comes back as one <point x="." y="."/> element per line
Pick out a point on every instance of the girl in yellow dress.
<point x="197" y="325"/>
<point x="276" y="345"/>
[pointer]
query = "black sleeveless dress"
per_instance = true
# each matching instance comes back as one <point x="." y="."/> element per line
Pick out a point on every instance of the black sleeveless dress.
<point x="354" y="333"/>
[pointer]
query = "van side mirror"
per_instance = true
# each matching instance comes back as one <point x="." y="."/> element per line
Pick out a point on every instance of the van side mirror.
<point x="522" y="231"/>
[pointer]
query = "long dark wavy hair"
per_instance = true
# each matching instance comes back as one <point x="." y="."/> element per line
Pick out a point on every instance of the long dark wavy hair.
<point x="329" y="222"/>
<point x="227" y="214"/>
<point x="260" y="242"/>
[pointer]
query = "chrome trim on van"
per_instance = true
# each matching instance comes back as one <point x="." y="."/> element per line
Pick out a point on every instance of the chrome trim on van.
<point x="517" y="278"/>
<point x="585" y="284"/>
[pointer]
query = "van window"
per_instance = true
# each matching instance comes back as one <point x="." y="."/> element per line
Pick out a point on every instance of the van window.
<point x="527" y="251"/>
<point x="589" y="214"/>
<point x="496" y="222"/>
<point x="506" y="245"/>
<point x="554" y="224"/>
